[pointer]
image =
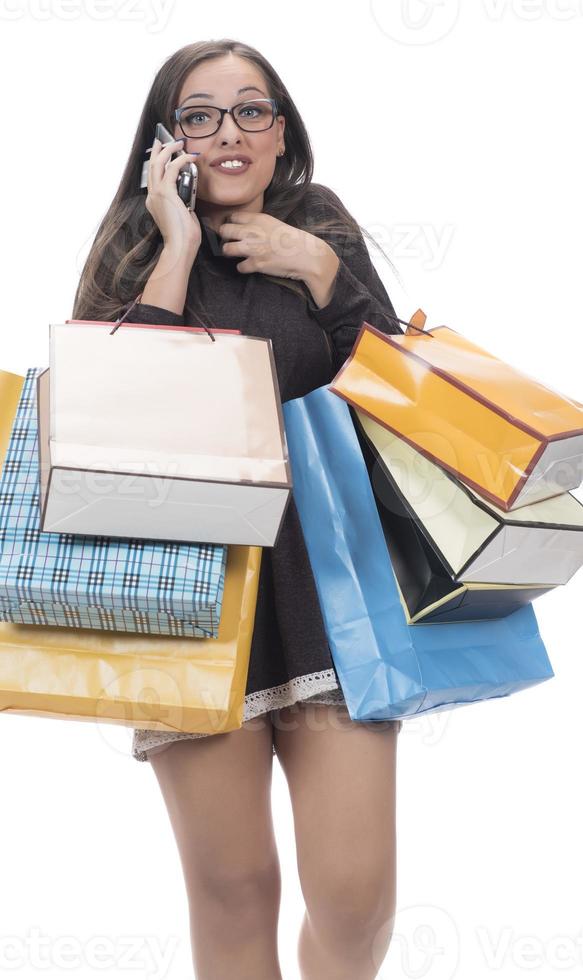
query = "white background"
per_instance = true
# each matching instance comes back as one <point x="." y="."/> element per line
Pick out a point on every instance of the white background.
<point x="453" y="136"/>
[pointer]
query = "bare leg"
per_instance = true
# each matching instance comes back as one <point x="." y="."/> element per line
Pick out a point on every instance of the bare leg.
<point x="341" y="775"/>
<point x="218" y="794"/>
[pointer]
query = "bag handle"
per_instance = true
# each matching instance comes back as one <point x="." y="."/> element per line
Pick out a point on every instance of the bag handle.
<point x="119" y="321"/>
<point x="417" y="322"/>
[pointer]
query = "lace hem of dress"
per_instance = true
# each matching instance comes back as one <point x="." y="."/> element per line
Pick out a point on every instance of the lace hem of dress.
<point x="320" y="687"/>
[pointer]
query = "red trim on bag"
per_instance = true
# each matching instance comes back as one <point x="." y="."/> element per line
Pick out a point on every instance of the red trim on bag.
<point x="158" y="326"/>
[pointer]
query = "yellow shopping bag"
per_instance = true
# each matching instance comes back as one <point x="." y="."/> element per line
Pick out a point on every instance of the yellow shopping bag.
<point x="166" y="683"/>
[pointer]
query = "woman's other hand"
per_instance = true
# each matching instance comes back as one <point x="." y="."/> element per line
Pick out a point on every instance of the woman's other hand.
<point x="275" y="248"/>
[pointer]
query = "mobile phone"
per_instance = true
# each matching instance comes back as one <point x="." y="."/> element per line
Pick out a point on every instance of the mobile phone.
<point x="187" y="181"/>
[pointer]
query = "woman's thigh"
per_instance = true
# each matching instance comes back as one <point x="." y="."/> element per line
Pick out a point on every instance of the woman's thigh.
<point x="342" y="780"/>
<point x="218" y="795"/>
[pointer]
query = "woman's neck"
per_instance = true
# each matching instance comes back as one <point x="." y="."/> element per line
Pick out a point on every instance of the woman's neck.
<point x="214" y="215"/>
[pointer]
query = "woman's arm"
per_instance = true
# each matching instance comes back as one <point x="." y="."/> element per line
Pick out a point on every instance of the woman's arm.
<point x="180" y="229"/>
<point x="355" y="292"/>
<point x="164" y="294"/>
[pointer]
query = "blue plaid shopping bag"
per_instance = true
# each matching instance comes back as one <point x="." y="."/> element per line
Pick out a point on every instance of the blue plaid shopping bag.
<point x="95" y="582"/>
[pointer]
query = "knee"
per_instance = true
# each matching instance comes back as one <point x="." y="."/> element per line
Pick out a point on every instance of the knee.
<point x="240" y="891"/>
<point x="353" y="906"/>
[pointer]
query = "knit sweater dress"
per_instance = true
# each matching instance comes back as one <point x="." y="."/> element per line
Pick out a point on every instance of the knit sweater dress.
<point x="290" y="657"/>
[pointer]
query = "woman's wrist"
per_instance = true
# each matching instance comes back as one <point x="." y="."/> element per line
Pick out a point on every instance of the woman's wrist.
<point x="321" y="276"/>
<point x="168" y="283"/>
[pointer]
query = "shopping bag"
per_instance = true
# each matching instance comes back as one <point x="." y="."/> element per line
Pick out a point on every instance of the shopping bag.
<point x="162" y="432"/>
<point x="141" y="586"/>
<point x="166" y="683"/>
<point x="510" y="438"/>
<point x="387" y="668"/>
<point x="456" y="556"/>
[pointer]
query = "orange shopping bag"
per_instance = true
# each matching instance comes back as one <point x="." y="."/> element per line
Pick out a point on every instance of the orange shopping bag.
<point x="510" y="438"/>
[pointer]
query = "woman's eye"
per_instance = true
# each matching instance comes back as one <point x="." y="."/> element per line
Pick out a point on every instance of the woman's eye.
<point x="194" y="118"/>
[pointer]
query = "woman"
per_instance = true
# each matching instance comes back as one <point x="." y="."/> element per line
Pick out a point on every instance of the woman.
<point x="250" y="257"/>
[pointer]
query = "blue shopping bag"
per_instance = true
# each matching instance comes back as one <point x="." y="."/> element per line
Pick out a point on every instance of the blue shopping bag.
<point x="388" y="669"/>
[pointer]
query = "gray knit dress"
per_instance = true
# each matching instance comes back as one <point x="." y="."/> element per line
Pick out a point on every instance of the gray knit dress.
<point x="290" y="658"/>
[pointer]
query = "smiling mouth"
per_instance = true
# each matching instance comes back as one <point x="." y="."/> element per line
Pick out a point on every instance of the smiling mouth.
<point x="233" y="169"/>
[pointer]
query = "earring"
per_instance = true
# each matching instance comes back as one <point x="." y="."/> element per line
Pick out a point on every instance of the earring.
<point x="281" y="153"/>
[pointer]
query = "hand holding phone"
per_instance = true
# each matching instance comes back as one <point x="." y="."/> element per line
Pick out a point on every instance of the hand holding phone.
<point x="168" y="174"/>
<point x="186" y="183"/>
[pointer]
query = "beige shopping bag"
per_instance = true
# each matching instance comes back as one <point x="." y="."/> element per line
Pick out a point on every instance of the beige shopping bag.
<point x="162" y="433"/>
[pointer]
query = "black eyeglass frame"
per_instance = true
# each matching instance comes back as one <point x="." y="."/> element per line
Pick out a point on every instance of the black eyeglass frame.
<point x="182" y="109"/>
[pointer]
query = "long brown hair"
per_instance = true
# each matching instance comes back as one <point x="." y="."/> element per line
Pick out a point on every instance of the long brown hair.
<point x="128" y="242"/>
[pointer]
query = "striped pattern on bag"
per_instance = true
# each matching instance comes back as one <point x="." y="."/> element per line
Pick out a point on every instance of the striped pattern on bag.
<point x="95" y="582"/>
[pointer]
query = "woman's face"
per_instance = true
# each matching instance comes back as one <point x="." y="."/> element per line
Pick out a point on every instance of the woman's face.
<point x="221" y="79"/>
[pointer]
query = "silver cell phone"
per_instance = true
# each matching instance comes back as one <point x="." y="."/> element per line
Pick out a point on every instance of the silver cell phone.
<point x="188" y="177"/>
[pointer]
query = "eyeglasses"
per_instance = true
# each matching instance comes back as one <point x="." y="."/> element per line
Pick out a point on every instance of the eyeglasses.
<point x="252" y="116"/>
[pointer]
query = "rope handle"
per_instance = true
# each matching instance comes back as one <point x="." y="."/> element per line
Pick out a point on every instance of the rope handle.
<point x="119" y="321"/>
